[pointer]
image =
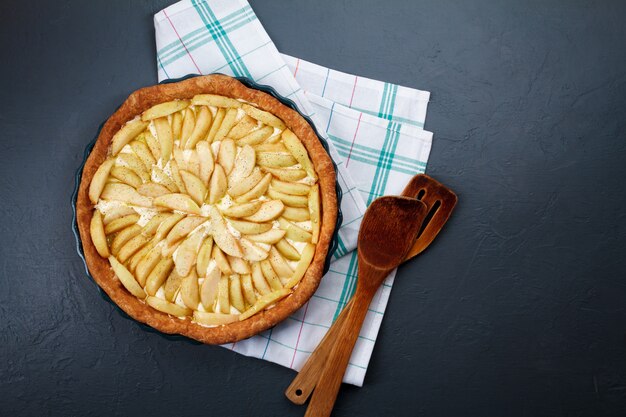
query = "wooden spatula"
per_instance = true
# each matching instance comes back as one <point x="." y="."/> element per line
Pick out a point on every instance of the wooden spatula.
<point x="440" y="202"/>
<point x="388" y="230"/>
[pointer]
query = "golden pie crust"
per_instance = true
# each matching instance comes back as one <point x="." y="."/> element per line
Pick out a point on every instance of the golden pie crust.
<point x="100" y="268"/>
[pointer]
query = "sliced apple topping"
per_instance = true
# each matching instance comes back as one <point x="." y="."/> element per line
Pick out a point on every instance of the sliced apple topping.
<point x="164" y="109"/>
<point x="180" y="202"/>
<point x="206" y="207"/>
<point x="127" y="133"/>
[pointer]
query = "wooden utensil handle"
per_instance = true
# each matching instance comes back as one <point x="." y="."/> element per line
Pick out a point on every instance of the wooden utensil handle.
<point x="304" y="383"/>
<point x="327" y="388"/>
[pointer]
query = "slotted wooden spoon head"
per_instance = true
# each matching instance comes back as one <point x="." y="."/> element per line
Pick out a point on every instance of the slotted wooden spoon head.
<point x="388" y="230"/>
<point x="440" y="202"/>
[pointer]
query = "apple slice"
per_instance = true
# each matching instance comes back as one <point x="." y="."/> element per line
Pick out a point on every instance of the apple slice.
<point x="239" y="188"/>
<point x="203" y="123"/>
<point x="217" y="122"/>
<point x="126" y="175"/>
<point x="257" y="191"/>
<point x="164" y="109"/>
<point x="229" y="121"/>
<point x="130" y="160"/>
<point x="264" y="301"/>
<point x="259" y="280"/>
<point x="99" y="180"/>
<point x="282" y="268"/>
<point x="251" y="251"/>
<point x="223" y="296"/>
<point x="236" y="296"/>
<point x="238" y="265"/>
<point x="167" y="307"/>
<point x="274" y="138"/>
<point x="289" y="200"/>
<point x="126" y="278"/>
<point x="287" y="250"/>
<point x="152" y="143"/>
<point x="178" y="180"/>
<point x="193" y="163"/>
<point x="257" y="136"/>
<point x="221" y="260"/>
<point x="143" y="152"/>
<point x="160" y="177"/>
<point x="152" y="189"/>
<point x="96" y="230"/>
<point x="214" y="319"/>
<point x="296" y="214"/>
<point x="150" y="228"/>
<point x="127" y="133"/>
<point x="271" y="147"/>
<point x="157" y="276"/>
<point x="226" y="155"/>
<point x="116" y="212"/>
<point x="271" y="236"/>
<point x="270" y="275"/>
<point x="188" y="253"/>
<point x="179" y="157"/>
<point x="180" y="202"/>
<point x="137" y="257"/>
<point x="275" y="159"/>
<point x="269" y="211"/>
<point x="263" y="116"/>
<point x="164" y="135"/>
<point x="243" y="165"/>
<point x="189" y="123"/>
<point x="126" y="194"/>
<point x="315" y="211"/>
<point x="204" y="256"/>
<point x="299" y="152"/>
<point x="221" y="235"/>
<point x="244" y="185"/>
<point x="294" y="232"/>
<point x="208" y="292"/>
<point x="124" y="236"/>
<point x="217" y="188"/>
<point x="293" y="188"/>
<point x="177" y="125"/>
<point x="248" y="289"/>
<point x="189" y="290"/>
<point x="242" y="128"/>
<point x="167" y="225"/>
<point x="305" y="260"/>
<point x="205" y="156"/>
<point x="250" y="228"/>
<point x="132" y="246"/>
<point x="172" y="285"/>
<point x="121" y="223"/>
<point x="215" y="101"/>
<point x="184" y="228"/>
<point x="168" y="249"/>
<point x="194" y="186"/>
<point x="242" y="210"/>
<point x="147" y="264"/>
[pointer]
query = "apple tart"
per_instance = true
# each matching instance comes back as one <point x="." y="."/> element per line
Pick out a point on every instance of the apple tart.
<point x="206" y="208"/>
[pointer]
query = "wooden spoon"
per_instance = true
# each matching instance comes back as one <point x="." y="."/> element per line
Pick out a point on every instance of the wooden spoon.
<point x="388" y="230"/>
<point x="440" y="202"/>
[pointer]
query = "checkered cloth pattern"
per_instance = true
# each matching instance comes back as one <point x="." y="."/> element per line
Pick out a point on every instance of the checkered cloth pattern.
<point x="376" y="137"/>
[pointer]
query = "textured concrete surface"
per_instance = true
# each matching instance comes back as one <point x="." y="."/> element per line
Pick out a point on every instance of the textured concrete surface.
<point x="518" y="308"/>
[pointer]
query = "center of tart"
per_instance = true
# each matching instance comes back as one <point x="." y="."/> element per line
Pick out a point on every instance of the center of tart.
<point x="206" y="208"/>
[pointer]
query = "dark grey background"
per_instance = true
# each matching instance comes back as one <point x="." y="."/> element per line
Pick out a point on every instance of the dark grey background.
<point x="517" y="310"/>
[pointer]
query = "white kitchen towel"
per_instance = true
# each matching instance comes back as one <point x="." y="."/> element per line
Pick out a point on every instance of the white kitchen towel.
<point x="375" y="135"/>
